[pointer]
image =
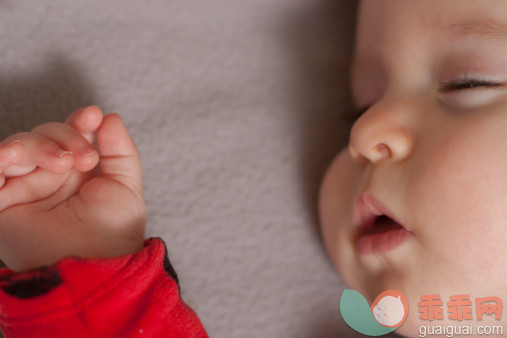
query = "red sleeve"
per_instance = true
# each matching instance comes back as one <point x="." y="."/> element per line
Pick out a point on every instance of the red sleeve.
<point x="131" y="296"/>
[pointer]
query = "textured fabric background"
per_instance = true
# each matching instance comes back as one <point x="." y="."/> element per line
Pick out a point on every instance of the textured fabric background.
<point x="236" y="107"/>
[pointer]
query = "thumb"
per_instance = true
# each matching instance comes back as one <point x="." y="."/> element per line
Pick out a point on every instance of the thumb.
<point x="119" y="157"/>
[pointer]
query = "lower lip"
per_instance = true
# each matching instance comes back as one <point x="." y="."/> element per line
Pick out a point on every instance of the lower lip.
<point x="377" y="243"/>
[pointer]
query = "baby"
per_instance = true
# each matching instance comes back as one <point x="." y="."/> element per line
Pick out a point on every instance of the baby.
<point x="428" y="152"/>
<point x="416" y="203"/>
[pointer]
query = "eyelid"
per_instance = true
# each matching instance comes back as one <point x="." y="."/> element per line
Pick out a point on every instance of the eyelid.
<point x="469" y="82"/>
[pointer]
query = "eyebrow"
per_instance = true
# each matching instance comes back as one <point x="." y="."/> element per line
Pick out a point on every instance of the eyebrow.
<point x="485" y="29"/>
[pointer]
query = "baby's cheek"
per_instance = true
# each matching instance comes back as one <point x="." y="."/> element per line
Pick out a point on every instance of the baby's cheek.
<point x="460" y="194"/>
<point x="337" y="193"/>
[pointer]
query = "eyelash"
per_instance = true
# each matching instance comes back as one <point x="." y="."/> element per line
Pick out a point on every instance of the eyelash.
<point x="454" y="85"/>
<point x="468" y="83"/>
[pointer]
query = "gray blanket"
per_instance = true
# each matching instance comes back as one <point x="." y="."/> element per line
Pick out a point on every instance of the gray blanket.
<point x="237" y="107"/>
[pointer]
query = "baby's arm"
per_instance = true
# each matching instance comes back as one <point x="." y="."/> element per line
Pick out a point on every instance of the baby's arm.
<point x="53" y="207"/>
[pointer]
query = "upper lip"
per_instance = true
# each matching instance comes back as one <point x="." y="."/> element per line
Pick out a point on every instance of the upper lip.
<point x="367" y="208"/>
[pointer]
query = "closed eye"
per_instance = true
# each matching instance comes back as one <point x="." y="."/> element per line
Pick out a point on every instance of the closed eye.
<point x="468" y="83"/>
<point x="460" y="84"/>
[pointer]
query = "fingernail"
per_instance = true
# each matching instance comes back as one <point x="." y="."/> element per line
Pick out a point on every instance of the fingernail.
<point x="87" y="151"/>
<point x="60" y="153"/>
<point x="15" y="141"/>
<point x="89" y="154"/>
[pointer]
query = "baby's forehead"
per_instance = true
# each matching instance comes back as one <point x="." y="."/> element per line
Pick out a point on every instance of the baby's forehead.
<point x="399" y="34"/>
<point x="455" y="18"/>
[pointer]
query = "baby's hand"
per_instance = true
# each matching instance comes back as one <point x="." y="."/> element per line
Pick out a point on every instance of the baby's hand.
<point x="53" y="203"/>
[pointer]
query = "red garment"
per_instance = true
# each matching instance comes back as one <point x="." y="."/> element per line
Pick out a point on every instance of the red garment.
<point x="131" y="296"/>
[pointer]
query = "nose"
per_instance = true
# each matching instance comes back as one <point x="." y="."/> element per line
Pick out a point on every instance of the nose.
<point x="381" y="133"/>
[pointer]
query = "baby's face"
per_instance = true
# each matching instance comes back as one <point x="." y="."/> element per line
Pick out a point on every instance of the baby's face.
<point x="431" y="147"/>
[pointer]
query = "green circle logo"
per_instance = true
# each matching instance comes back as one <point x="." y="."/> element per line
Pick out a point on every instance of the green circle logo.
<point x="386" y="314"/>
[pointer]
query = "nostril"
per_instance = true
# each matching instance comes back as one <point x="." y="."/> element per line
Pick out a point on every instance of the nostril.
<point x="382" y="149"/>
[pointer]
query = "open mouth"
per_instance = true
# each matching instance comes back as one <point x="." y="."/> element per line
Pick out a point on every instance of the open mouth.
<point x="379" y="235"/>
<point x="377" y="230"/>
<point x="380" y="224"/>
